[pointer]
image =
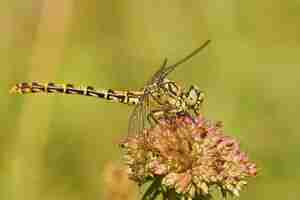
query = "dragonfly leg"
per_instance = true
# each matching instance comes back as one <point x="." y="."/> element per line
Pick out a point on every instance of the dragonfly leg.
<point x="154" y="116"/>
<point x="191" y="116"/>
<point x="157" y="100"/>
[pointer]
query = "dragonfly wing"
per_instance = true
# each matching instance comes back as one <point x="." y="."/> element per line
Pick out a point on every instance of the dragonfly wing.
<point x="134" y="120"/>
<point x="157" y="74"/>
<point x="163" y="72"/>
<point x="138" y="117"/>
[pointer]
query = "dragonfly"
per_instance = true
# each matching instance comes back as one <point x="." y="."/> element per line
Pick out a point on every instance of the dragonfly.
<point x="160" y="98"/>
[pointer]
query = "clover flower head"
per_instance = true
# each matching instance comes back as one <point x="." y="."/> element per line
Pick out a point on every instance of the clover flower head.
<point x="189" y="156"/>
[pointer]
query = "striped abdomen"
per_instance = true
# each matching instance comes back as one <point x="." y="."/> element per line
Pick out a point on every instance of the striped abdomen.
<point x="127" y="97"/>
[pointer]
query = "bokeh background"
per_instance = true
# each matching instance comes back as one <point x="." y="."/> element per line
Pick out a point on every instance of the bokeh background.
<point x="59" y="147"/>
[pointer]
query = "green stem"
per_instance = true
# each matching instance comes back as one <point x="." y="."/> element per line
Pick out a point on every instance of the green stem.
<point x="170" y="195"/>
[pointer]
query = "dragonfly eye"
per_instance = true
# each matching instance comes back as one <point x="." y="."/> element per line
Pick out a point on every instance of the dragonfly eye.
<point x="192" y="96"/>
<point x="195" y="97"/>
<point x="201" y="97"/>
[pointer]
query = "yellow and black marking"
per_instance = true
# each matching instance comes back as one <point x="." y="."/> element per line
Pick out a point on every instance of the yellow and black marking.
<point x="160" y="97"/>
<point x="126" y="97"/>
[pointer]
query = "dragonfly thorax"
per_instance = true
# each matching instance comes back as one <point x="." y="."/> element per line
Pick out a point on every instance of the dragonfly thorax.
<point x="167" y="93"/>
<point x="170" y="96"/>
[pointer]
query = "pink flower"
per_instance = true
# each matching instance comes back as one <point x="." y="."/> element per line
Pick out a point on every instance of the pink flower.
<point x="189" y="156"/>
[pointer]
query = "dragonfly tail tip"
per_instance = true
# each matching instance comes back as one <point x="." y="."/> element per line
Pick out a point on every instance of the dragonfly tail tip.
<point x="14" y="90"/>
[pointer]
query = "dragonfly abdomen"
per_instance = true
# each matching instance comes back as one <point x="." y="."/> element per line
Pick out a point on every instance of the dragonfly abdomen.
<point x="126" y="97"/>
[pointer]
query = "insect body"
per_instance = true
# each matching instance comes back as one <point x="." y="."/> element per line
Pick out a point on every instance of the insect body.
<point x="126" y="97"/>
<point x="160" y="98"/>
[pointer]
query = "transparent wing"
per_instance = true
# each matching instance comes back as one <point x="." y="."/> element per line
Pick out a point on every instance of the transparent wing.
<point x="157" y="74"/>
<point x="138" y="117"/>
<point x="161" y="74"/>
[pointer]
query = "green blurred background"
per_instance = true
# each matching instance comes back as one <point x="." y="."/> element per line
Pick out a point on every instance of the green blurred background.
<point x="56" y="147"/>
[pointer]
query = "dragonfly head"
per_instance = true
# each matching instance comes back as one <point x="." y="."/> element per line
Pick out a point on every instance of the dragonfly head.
<point x="194" y="98"/>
